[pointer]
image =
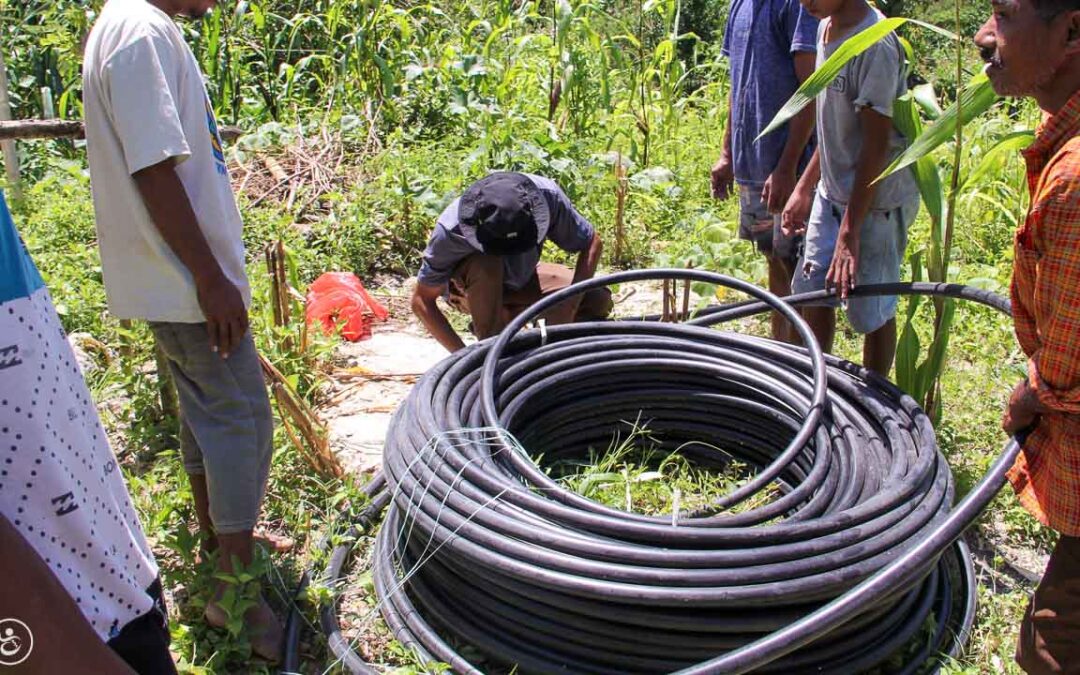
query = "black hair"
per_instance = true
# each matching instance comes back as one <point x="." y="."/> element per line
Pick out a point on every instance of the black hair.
<point x="1050" y="9"/>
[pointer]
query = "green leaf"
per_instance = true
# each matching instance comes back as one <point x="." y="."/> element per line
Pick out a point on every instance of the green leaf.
<point x="926" y="98"/>
<point x="828" y="71"/>
<point x="907" y="356"/>
<point x="1009" y="143"/>
<point x="976" y="98"/>
<point x="906" y="119"/>
<point x="909" y="347"/>
<point x="930" y="370"/>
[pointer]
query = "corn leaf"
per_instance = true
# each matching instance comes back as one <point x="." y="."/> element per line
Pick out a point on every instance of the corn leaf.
<point x="824" y="75"/>
<point x="907" y="121"/>
<point x="1009" y="143"/>
<point x="908" y="346"/>
<point x="931" y="368"/>
<point x="926" y="98"/>
<point x="976" y="98"/>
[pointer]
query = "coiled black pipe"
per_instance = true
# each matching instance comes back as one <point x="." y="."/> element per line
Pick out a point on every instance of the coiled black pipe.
<point x="531" y="574"/>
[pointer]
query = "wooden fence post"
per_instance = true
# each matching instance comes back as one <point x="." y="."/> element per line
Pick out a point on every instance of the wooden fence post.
<point x="10" y="150"/>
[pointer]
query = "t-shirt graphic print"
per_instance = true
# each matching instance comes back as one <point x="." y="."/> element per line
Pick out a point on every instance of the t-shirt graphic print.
<point x="215" y="141"/>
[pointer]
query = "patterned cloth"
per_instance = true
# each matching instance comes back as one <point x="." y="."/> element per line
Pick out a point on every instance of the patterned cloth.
<point x="1046" y="313"/>
<point x="60" y="485"/>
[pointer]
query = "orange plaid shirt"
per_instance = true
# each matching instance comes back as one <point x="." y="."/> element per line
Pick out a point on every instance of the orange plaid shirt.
<point x="1046" y="313"/>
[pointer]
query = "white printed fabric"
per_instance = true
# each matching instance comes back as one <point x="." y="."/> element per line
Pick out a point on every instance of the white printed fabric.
<point x="59" y="482"/>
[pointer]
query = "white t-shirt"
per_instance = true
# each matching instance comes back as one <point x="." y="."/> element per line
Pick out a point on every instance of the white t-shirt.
<point x="145" y="101"/>
<point x="60" y="485"/>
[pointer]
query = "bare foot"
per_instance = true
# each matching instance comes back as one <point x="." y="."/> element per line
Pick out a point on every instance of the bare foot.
<point x="264" y="630"/>
<point x="273" y="541"/>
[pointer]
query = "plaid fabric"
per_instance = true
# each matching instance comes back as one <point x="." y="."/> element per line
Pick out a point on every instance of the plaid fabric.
<point x="1046" y="313"/>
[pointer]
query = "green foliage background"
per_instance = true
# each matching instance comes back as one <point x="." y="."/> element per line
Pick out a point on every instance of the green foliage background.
<point x="425" y="98"/>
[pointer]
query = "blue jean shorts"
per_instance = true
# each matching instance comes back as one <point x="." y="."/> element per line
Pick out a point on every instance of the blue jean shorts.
<point x="762" y="228"/>
<point x="882" y="243"/>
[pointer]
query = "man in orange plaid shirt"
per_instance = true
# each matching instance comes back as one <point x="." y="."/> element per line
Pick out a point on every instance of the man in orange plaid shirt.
<point x="1032" y="48"/>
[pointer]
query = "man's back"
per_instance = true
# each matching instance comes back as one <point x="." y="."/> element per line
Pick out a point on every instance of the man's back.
<point x="760" y="40"/>
<point x="145" y="103"/>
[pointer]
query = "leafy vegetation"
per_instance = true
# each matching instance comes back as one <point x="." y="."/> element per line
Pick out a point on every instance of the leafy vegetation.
<point x="621" y="101"/>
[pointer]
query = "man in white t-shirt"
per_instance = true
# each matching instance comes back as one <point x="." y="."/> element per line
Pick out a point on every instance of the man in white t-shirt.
<point x="172" y="255"/>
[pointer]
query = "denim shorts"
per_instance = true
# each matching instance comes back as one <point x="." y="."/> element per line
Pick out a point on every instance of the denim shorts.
<point x="882" y="243"/>
<point x="762" y="228"/>
<point x="226" y="425"/>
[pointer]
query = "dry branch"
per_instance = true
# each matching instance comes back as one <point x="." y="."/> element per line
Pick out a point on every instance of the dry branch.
<point x="27" y="129"/>
<point x="306" y="431"/>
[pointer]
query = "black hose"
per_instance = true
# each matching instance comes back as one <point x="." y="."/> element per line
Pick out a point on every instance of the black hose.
<point x="841" y="566"/>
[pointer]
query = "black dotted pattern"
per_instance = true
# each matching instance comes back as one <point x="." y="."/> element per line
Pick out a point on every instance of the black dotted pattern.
<point x="59" y="482"/>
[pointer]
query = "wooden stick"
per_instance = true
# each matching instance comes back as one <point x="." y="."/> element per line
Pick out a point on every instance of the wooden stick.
<point x="621" y="185"/>
<point x="11" y="152"/>
<point x="45" y="129"/>
<point x="665" y="315"/>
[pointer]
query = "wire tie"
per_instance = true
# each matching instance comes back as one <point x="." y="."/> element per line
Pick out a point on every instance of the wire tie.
<point x="542" y="323"/>
<point x="675" y="507"/>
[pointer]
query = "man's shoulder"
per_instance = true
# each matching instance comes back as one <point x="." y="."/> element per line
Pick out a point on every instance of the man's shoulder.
<point x="1061" y="175"/>
<point x="123" y="23"/>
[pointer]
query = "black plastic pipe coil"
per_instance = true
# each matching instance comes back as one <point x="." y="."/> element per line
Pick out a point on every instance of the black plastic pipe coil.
<point x="839" y="569"/>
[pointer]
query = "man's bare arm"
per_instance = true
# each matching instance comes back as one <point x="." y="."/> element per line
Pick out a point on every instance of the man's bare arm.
<point x="781" y="182"/>
<point x="589" y="259"/>
<point x="426" y="308"/>
<point x="64" y="642"/>
<point x="170" y="210"/>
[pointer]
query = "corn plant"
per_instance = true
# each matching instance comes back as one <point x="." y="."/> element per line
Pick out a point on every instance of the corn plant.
<point x="921" y="378"/>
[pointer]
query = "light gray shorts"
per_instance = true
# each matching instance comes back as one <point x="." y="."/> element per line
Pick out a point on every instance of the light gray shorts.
<point x="882" y="243"/>
<point x="226" y="426"/>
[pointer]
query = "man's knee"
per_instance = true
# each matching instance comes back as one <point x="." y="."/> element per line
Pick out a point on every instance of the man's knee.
<point x="481" y="269"/>
<point x="596" y="305"/>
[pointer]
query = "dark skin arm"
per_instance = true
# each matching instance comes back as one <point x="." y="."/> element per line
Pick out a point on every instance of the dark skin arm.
<point x="584" y="268"/>
<point x="1023" y="409"/>
<point x="723" y="172"/>
<point x="876" y="129"/>
<point x="170" y="210"/>
<point x="426" y="308"/>
<point x="64" y="642"/>
<point x="797" y="211"/>
<point x="781" y="183"/>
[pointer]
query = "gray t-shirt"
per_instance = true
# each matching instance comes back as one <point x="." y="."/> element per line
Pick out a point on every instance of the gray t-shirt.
<point x="873" y="79"/>
<point x="448" y="246"/>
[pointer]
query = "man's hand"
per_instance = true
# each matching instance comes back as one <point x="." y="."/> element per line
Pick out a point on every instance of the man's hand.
<point x="226" y="316"/>
<point x="723" y="177"/>
<point x="426" y="308"/>
<point x="1023" y="409"/>
<point x="845" y="262"/>
<point x="797" y="212"/>
<point x="170" y="209"/>
<point x="778" y="189"/>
